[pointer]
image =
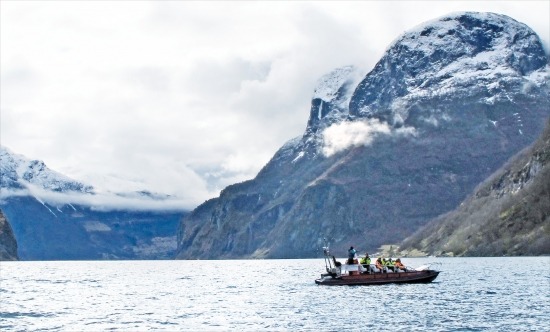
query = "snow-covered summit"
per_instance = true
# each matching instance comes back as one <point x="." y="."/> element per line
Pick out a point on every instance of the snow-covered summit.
<point x="18" y="172"/>
<point x="462" y="54"/>
<point x="485" y="44"/>
<point x="331" y="97"/>
<point x="329" y="85"/>
<point x="467" y="33"/>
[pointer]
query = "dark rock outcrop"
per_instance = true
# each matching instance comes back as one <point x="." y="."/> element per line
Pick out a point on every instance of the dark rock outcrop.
<point x="8" y="244"/>
<point x="446" y="106"/>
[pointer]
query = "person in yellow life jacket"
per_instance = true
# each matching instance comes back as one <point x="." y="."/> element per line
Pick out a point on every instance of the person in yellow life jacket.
<point x="385" y="264"/>
<point x="390" y="265"/>
<point x="365" y="261"/>
<point x="400" y="265"/>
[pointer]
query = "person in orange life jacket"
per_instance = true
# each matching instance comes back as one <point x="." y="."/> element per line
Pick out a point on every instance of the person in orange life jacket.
<point x="400" y="265"/>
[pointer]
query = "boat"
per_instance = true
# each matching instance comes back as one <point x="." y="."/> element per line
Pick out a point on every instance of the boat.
<point x="356" y="274"/>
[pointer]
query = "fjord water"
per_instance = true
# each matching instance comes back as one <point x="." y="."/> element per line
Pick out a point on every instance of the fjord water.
<point x="471" y="294"/>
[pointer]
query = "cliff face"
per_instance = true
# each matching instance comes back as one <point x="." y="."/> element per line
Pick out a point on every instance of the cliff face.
<point x="382" y="154"/>
<point x="508" y="214"/>
<point x="8" y="244"/>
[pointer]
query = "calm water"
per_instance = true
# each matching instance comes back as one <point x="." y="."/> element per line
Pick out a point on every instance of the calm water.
<point x="471" y="294"/>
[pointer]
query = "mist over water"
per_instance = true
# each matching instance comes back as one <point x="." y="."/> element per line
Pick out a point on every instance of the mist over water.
<point x="471" y="294"/>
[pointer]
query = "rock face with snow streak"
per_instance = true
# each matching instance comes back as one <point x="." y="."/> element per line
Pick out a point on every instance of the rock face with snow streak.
<point x="449" y="102"/>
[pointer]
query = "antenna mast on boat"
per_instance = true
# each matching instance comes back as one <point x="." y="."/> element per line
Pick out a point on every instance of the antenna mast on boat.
<point x="326" y="252"/>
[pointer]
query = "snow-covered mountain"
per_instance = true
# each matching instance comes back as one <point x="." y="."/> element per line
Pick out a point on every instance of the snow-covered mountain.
<point x="449" y="102"/>
<point x="56" y="217"/>
<point x="19" y="172"/>
<point x="484" y="55"/>
<point x="21" y="176"/>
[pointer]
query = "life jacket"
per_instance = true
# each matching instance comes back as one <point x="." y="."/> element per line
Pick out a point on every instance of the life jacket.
<point x="365" y="260"/>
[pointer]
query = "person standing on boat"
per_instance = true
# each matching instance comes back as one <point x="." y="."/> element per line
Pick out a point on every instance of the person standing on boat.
<point x="351" y="255"/>
<point x="365" y="261"/>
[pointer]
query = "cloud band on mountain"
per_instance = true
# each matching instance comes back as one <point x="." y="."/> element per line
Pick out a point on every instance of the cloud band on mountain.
<point x="344" y="135"/>
<point x="99" y="202"/>
<point x="349" y="134"/>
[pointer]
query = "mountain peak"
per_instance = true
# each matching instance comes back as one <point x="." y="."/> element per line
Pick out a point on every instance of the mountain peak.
<point x="467" y="34"/>
<point x="329" y="85"/>
<point x="462" y="54"/>
<point x="18" y="172"/>
<point x="331" y="98"/>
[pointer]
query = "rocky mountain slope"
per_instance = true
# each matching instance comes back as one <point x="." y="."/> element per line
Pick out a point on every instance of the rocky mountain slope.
<point x="508" y="214"/>
<point x="449" y="102"/>
<point x="8" y="244"/>
<point x="52" y="219"/>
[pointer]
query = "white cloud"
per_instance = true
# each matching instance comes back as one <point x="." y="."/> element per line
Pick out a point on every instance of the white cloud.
<point x="105" y="201"/>
<point x="344" y="135"/>
<point x="186" y="97"/>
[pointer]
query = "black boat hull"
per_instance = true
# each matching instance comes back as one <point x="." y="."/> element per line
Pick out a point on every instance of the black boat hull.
<point x="411" y="277"/>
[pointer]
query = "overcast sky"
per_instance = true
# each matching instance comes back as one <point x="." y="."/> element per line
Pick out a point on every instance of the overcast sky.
<point x="182" y="97"/>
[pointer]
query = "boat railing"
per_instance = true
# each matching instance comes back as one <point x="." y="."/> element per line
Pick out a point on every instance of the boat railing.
<point x="361" y="268"/>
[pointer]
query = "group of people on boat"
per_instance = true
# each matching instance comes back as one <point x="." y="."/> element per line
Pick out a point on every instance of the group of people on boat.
<point x="382" y="264"/>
